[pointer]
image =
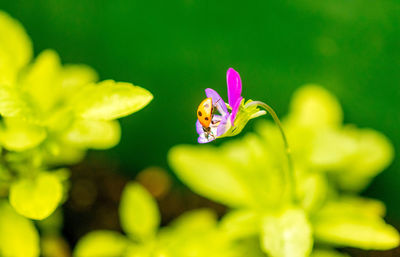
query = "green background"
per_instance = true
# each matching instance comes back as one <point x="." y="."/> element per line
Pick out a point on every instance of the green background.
<point x="178" y="48"/>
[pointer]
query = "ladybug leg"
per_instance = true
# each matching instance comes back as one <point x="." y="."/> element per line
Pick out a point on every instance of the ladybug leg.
<point x="214" y="108"/>
<point x="208" y="133"/>
<point x="206" y="129"/>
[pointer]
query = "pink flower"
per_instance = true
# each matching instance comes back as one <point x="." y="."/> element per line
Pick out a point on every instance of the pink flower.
<point x="228" y="123"/>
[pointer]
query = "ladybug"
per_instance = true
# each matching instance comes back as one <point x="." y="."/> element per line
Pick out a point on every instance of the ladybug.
<point x="205" y="112"/>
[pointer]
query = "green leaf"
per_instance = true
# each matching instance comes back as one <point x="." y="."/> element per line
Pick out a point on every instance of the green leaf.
<point x="110" y="100"/>
<point x="195" y="221"/>
<point x="19" y="135"/>
<point x="373" y="155"/>
<point x="313" y="106"/>
<point x="15" y="48"/>
<point x="40" y="81"/>
<point x="354" y="223"/>
<point x="138" y="212"/>
<point x="53" y="224"/>
<point x="259" y="169"/>
<point x="208" y="174"/>
<point x="57" y="153"/>
<point x="141" y="251"/>
<point x="353" y="155"/>
<point x="312" y="190"/>
<point x="332" y="149"/>
<point x="195" y="234"/>
<point x="36" y="198"/>
<point x="241" y="223"/>
<point x="13" y="103"/>
<point x="287" y="234"/>
<point x="353" y="205"/>
<point x="101" y="243"/>
<point x="18" y="235"/>
<point x="93" y="134"/>
<point x="248" y="247"/>
<point x="75" y="76"/>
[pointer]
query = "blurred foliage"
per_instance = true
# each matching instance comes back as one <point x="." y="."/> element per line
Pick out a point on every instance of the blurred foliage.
<point x="18" y="235"/>
<point x="50" y="116"/>
<point x="186" y="236"/>
<point x="332" y="163"/>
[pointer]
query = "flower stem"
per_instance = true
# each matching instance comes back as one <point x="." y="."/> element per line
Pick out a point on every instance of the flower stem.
<point x="289" y="172"/>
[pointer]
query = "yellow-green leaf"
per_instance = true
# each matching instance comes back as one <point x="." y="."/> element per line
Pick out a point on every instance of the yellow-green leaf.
<point x="18" y="235"/>
<point x="206" y="173"/>
<point x="101" y="243"/>
<point x="287" y="234"/>
<point x="195" y="234"/>
<point x="350" y="222"/>
<point x="141" y="250"/>
<point x="241" y="223"/>
<point x="38" y="197"/>
<point x="52" y="224"/>
<point x="40" y="81"/>
<point x="313" y="106"/>
<point x="19" y="135"/>
<point x="15" y="48"/>
<point x="13" y="103"/>
<point x="74" y="76"/>
<point x="196" y="220"/>
<point x="110" y="100"/>
<point x="61" y="153"/>
<point x="138" y="212"/>
<point x="312" y="190"/>
<point x="93" y="134"/>
<point x="374" y="153"/>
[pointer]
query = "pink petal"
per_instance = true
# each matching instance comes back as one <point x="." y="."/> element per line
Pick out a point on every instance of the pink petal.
<point x="199" y="128"/>
<point x="203" y="140"/>
<point x="235" y="109"/>
<point x="234" y="86"/>
<point x="217" y="100"/>
<point x="221" y="129"/>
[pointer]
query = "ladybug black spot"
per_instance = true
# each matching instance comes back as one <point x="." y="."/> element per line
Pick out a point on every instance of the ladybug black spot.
<point x="206" y="118"/>
<point x="199" y="113"/>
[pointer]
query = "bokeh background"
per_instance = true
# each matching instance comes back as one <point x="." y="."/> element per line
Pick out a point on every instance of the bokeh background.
<point x="177" y="48"/>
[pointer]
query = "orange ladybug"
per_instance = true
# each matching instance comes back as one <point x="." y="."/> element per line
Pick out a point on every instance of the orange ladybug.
<point x="204" y="112"/>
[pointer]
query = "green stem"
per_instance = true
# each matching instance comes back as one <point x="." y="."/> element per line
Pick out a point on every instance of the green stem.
<point x="289" y="172"/>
